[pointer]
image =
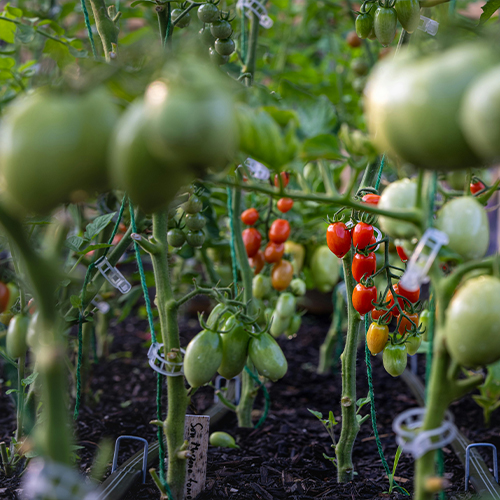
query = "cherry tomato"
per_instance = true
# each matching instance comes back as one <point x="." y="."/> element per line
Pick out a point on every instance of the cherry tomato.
<point x="257" y="262"/>
<point x="285" y="179"/>
<point x="411" y="296"/>
<point x="395" y="359"/>
<point x="250" y="216"/>
<point x="401" y="253"/>
<point x="371" y="199"/>
<point x="389" y="297"/>
<point x="274" y="252"/>
<point x="377" y="313"/>
<point x="413" y="343"/>
<point x="281" y="275"/>
<point x="377" y="337"/>
<point x="279" y="231"/>
<point x="362" y="298"/>
<point x="285" y="204"/>
<point x="363" y="266"/>
<point x="338" y="239"/>
<point x="475" y="187"/>
<point x="4" y="296"/>
<point x="252" y="240"/>
<point x="353" y="39"/>
<point x="406" y="324"/>
<point x="362" y="235"/>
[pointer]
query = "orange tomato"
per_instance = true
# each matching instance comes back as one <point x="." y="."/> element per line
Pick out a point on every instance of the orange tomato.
<point x="281" y="275"/>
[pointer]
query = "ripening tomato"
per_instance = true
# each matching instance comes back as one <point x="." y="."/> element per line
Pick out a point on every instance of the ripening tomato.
<point x="338" y="239"/>
<point x="274" y="252"/>
<point x="285" y="204"/>
<point x="405" y="324"/>
<point x="252" y="240"/>
<point x="389" y="297"/>
<point x="411" y="296"/>
<point x="279" y="231"/>
<point x="281" y="275"/>
<point x="377" y="337"/>
<point x="4" y="296"/>
<point x="285" y="179"/>
<point x="250" y="216"/>
<point x="362" y="235"/>
<point x="362" y="298"/>
<point x="371" y="199"/>
<point x="475" y="187"/>
<point x="257" y="262"/>
<point x="353" y="39"/>
<point x="363" y="265"/>
<point x="402" y="254"/>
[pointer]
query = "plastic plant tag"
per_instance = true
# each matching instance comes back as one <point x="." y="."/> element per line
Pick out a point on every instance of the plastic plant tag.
<point x="428" y="25"/>
<point x="257" y="8"/>
<point x="237" y="387"/>
<point x="420" y="262"/>
<point x="114" y="276"/>
<point x="259" y="171"/>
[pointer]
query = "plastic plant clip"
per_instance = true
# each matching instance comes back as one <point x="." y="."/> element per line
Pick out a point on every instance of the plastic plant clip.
<point x="114" y="276"/>
<point x="159" y="364"/>
<point x="237" y="387"/>
<point x="144" y="459"/>
<point x="467" y="461"/>
<point x="428" y="25"/>
<point x="420" y="262"/>
<point x="101" y="305"/>
<point x="418" y="443"/>
<point x="257" y="8"/>
<point x="259" y="171"/>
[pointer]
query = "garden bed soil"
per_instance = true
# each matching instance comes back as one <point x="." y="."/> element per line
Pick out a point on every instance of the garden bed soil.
<point x="284" y="459"/>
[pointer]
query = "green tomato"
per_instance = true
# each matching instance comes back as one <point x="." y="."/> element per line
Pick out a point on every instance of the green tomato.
<point x="195" y="239"/>
<point x="222" y="439"/>
<point x="385" y="23"/>
<point x="234" y="348"/>
<point x="268" y="313"/>
<point x="398" y="196"/>
<point x="279" y="324"/>
<point x="216" y="58"/>
<point x="53" y="148"/>
<point x="206" y="37"/>
<point x="221" y="29"/>
<point x="465" y="222"/>
<point x="424" y="320"/>
<point x="13" y="295"/>
<point x="261" y="286"/>
<point x="16" y="336"/>
<point x="285" y="307"/>
<point x="195" y="222"/>
<point x="216" y="320"/>
<point x="364" y="25"/>
<point x="413" y="343"/>
<point x="33" y="330"/>
<point x="225" y="47"/>
<point x="456" y="180"/>
<point x="298" y="287"/>
<point x="267" y="357"/>
<point x="208" y="13"/>
<point x="294" y="326"/>
<point x="408" y="14"/>
<point x="193" y="205"/>
<point x="176" y="237"/>
<point x="472" y="319"/>
<point x="184" y="22"/>
<point x="203" y="357"/>
<point x="395" y="358"/>
<point x="360" y="66"/>
<point x="324" y="269"/>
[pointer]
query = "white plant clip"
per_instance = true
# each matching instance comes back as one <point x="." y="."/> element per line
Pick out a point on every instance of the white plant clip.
<point x="428" y="25"/>
<point x="257" y="8"/>
<point x="159" y="364"/>
<point x="237" y="387"/>
<point x="259" y="171"/>
<point x="101" y="305"/>
<point x="420" y="262"/>
<point x="418" y="443"/>
<point x="114" y="276"/>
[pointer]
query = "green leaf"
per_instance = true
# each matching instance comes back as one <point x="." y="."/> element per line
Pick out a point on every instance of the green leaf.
<point x="74" y="243"/>
<point x="59" y="52"/>
<point x="30" y="379"/>
<point x="24" y="33"/>
<point x="325" y="146"/>
<point x="317" y="117"/>
<point x="76" y="301"/>
<point x="78" y="53"/>
<point x="14" y="11"/>
<point x="282" y="116"/>
<point x="11" y="391"/>
<point x="94" y="247"/>
<point x="58" y="30"/>
<point x="7" y="62"/>
<point x="97" y="225"/>
<point x="135" y="36"/>
<point x="7" y="31"/>
<point x="5" y="75"/>
<point x="317" y="414"/>
<point x="331" y="418"/>
<point x="489" y="8"/>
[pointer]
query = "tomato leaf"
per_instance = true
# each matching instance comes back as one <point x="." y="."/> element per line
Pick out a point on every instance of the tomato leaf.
<point x="317" y="117"/>
<point x="317" y="414"/>
<point x="90" y="248"/>
<point x="74" y="243"/>
<point x="76" y="301"/>
<point x="24" y="33"/>
<point x="29" y="380"/>
<point x="7" y="31"/>
<point x="7" y="62"/>
<point x="324" y="146"/>
<point x="97" y="225"/>
<point x="489" y="8"/>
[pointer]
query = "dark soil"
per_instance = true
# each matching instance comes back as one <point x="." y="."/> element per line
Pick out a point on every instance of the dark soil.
<point x="282" y="459"/>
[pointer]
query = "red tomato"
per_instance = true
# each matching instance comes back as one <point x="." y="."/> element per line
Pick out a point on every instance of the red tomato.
<point x="281" y="275"/>
<point x="285" y="179"/>
<point x="475" y="187"/>
<point x="402" y="254"/>
<point x="250" y="216"/>
<point x="285" y="204"/>
<point x="252" y="240"/>
<point x="411" y="296"/>
<point x="4" y="296"/>
<point x="274" y="252"/>
<point x="406" y="324"/>
<point x="371" y="199"/>
<point x="362" y="235"/>
<point x="279" y="231"/>
<point x="363" y="266"/>
<point x="257" y="262"/>
<point x="373" y="240"/>
<point x="390" y="298"/>
<point x="353" y="39"/>
<point x="377" y="313"/>
<point x="362" y="298"/>
<point x="338" y="239"/>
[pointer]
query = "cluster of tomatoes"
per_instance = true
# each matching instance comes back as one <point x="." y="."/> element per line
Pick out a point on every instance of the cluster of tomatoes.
<point x="194" y="222"/>
<point x="279" y="231"/>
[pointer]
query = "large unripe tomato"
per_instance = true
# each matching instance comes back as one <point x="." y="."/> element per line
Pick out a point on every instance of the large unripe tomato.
<point x="377" y="337"/>
<point x="234" y="348"/>
<point x="53" y="148"/>
<point x="281" y="275"/>
<point x="267" y="357"/>
<point x="412" y="105"/>
<point x="16" y="336"/>
<point x="472" y="319"/>
<point x="398" y="196"/>
<point x="395" y="358"/>
<point x="385" y="23"/>
<point x="363" y="265"/>
<point x="203" y="357"/>
<point x="465" y="222"/>
<point x="338" y="239"/>
<point x="193" y="121"/>
<point x="325" y="269"/>
<point x="408" y="14"/>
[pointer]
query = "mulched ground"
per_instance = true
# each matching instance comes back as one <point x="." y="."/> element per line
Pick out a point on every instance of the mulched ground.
<point x="284" y="458"/>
